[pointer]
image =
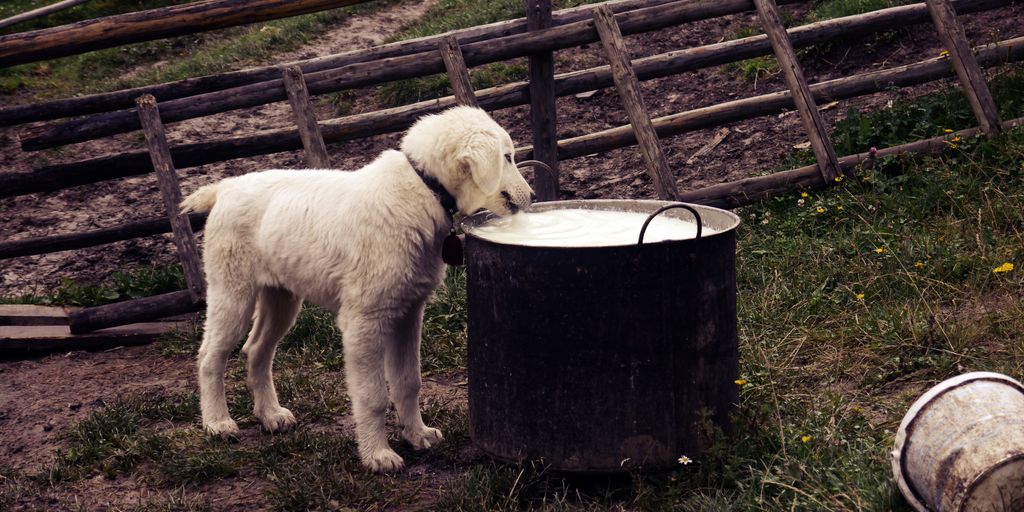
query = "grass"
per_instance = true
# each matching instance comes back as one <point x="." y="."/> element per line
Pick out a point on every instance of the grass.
<point x="140" y="282"/>
<point x="170" y="59"/>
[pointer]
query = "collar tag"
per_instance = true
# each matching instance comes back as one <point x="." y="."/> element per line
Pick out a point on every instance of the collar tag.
<point x="452" y="252"/>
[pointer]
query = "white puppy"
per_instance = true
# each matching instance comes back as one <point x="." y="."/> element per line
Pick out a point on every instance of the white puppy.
<point x="365" y="244"/>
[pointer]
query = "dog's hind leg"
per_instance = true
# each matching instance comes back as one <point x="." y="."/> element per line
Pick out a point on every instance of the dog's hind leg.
<point x="402" y="367"/>
<point x="228" y="313"/>
<point x="363" y="339"/>
<point x="276" y="310"/>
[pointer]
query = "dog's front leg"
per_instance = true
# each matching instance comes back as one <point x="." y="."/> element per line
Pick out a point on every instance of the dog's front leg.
<point x="402" y="366"/>
<point x="363" y="339"/>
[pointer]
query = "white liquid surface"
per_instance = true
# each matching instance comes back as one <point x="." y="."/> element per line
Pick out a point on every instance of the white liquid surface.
<point x="584" y="228"/>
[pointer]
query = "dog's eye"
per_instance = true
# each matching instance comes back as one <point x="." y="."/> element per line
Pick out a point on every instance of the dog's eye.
<point x="508" y="157"/>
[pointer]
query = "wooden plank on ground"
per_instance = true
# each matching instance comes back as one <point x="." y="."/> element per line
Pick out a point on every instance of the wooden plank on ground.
<point x="133" y="311"/>
<point x="951" y="33"/>
<point x="629" y="89"/>
<point x="542" y="104"/>
<point x="305" y="119"/>
<point x="58" y="337"/>
<point x="458" y="73"/>
<point x="184" y="239"/>
<point x="828" y="161"/>
<point x="32" y="314"/>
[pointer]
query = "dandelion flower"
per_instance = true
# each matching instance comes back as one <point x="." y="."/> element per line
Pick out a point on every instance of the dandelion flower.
<point x="806" y="439"/>
<point x="804" y="194"/>
<point x="838" y="179"/>
<point x="684" y="460"/>
<point x="918" y="264"/>
<point x="860" y="296"/>
<point x="944" y="53"/>
<point x="947" y="130"/>
<point x="820" y="209"/>
<point x="879" y="250"/>
<point x="1005" y="267"/>
<point x="741" y="382"/>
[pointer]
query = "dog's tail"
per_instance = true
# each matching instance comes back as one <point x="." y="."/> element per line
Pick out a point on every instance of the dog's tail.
<point x="201" y="200"/>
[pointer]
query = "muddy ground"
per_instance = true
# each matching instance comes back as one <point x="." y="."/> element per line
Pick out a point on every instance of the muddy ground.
<point x="41" y="397"/>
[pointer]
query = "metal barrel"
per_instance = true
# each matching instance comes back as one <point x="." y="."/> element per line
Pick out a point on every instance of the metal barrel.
<point x="602" y="359"/>
<point x="961" y="446"/>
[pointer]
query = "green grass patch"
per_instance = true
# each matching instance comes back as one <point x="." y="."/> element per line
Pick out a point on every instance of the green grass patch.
<point x="137" y="283"/>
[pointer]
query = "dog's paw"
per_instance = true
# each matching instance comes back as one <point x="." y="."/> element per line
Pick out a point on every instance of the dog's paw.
<point x="423" y="438"/>
<point x="383" y="461"/>
<point x="277" y="420"/>
<point x="225" y="429"/>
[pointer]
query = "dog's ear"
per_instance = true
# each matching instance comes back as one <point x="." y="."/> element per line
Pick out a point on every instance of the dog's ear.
<point x="481" y="158"/>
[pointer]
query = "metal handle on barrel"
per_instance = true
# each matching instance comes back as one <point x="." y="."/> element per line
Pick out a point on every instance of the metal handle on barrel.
<point x="538" y="163"/>
<point x="659" y="211"/>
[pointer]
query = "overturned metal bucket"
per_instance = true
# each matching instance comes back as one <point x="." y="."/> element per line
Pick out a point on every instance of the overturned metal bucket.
<point x="961" y="446"/>
<point x="603" y="359"/>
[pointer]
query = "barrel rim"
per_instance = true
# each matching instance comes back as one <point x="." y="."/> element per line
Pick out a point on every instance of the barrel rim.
<point x="899" y="454"/>
<point x="971" y="487"/>
<point x="479" y="218"/>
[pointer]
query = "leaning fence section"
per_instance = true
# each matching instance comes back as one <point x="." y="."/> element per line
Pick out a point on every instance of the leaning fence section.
<point x="537" y="37"/>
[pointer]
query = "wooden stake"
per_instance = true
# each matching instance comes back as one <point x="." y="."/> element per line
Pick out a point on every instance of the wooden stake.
<point x="794" y="75"/>
<point x="184" y="240"/>
<point x="629" y="89"/>
<point x="542" y="104"/>
<point x="951" y="33"/>
<point x="305" y="119"/>
<point x="458" y="73"/>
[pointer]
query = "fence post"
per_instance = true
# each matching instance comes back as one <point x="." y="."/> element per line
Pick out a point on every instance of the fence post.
<point x="951" y="33"/>
<point x="305" y="119"/>
<point x="828" y="161"/>
<point x="629" y="89"/>
<point x="542" y="104"/>
<point x="458" y="73"/>
<point x="184" y="240"/>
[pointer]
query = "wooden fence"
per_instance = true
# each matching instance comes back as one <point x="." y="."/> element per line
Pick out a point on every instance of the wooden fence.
<point x="536" y="37"/>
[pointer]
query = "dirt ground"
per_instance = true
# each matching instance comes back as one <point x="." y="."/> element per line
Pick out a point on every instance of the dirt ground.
<point x="40" y="398"/>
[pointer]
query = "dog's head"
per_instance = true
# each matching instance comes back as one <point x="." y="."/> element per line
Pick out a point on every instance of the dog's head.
<point x="473" y="157"/>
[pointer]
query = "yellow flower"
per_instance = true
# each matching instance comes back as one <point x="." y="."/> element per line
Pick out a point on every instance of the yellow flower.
<point x="1005" y="267"/>
<point x="804" y="194"/>
<point x="955" y="139"/>
<point x="860" y="296"/>
<point x="805" y="439"/>
<point x="839" y="179"/>
<point x="944" y="53"/>
<point x="741" y="382"/>
<point x="820" y="210"/>
<point x="918" y="264"/>
<point x="840" y="207"/>
<point x="879" y="250"/>
<point x="947" y="130"/>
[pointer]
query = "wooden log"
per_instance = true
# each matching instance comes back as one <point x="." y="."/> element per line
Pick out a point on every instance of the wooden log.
<point x="104" y="102"/>
<point x="821" y="143"/>
<point x="629" y="90"/>
<point x="175" y="20"/>
<point x="40" y="12"/>
<point x="951" y="33"/>
<point x="371" y="73"/>
<point x="749" y="190"/>
<point x="458" y="73"/>
<point x="542" y="104"/>
<point x="132" y="311"/>
<point x="305" y="119"/>
<point x="38" y="338"/>
<point x="62" y="176"/>
<point x="71" y="241"/>
<point x="170" y="191"/>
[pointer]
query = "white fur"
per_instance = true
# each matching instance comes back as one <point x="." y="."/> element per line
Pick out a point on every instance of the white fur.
<point x="365" y="244"/>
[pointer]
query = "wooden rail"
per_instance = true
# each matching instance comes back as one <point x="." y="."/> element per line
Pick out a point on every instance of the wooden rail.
<point x="372" y="73"/>
<point x="175" y="20"/>
<point x="40" y="12"/>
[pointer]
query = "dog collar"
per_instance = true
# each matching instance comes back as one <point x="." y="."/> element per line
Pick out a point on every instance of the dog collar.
<point x="443" y="196"/>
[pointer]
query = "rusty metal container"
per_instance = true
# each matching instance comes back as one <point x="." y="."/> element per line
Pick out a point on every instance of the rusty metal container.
<point x="602" y="359"/>
<point x="961" y="446"/>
